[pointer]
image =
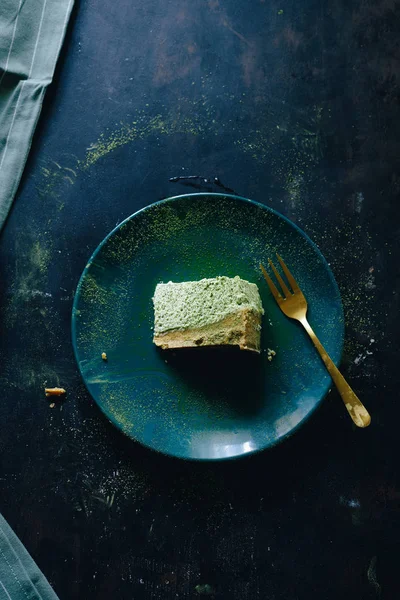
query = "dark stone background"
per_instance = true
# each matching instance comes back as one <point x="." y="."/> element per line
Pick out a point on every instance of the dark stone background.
<point x="294" y="104"/>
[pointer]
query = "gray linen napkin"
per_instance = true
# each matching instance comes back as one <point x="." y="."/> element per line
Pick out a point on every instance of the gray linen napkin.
<point x="31" y="35"/>
<point x="20" y="577"/>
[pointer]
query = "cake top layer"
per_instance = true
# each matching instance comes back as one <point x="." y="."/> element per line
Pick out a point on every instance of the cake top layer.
<point x="199" y="303"/>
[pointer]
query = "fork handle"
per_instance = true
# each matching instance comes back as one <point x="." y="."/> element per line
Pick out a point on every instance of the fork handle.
<point x="355" y="407"/>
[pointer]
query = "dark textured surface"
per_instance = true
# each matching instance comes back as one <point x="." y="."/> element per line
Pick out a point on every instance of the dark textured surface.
<point x="294" y="105"/>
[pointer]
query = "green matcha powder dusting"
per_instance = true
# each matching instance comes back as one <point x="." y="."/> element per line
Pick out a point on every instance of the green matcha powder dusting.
<point x="199" y="303"/>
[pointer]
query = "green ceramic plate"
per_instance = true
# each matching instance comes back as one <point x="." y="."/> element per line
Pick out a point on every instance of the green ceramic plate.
<point x="202" y="403"/>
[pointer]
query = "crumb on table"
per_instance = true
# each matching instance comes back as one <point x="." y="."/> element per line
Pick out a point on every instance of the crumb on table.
<point x="56" y="391"/>
<point x="104" y="356"/>
<point x="52" y="405"/>
<point x="271" y="354"/>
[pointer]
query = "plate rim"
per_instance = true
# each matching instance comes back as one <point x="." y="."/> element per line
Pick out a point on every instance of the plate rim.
<point x="166" y="201"/>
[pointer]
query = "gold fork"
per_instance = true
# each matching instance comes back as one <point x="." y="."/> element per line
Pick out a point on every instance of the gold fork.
<point x="294" y="305"/>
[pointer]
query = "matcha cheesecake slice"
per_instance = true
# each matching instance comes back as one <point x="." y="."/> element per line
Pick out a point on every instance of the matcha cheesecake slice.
<point x="210" y="312"/>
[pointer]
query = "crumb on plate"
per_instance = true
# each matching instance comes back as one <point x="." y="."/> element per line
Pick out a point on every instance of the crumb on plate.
<point x="104" y="356"/>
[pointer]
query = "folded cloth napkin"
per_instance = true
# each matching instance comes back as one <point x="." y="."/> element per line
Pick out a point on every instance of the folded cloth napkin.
<point x="20" y="578"/>
<point x="31" y="35"/>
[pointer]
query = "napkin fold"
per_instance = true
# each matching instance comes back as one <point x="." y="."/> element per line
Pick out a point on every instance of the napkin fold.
<point x="31" y="36"/>
<point x="20" y="577"/>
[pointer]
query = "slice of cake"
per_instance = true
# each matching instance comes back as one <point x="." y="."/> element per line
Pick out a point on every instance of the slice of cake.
<point x="209" y="312"/>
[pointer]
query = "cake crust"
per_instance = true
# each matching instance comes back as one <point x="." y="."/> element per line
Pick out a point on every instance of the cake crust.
<point x="241" y="328"/>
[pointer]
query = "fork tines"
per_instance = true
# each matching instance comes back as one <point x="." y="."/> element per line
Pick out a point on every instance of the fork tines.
<point x="274" y="290"/>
